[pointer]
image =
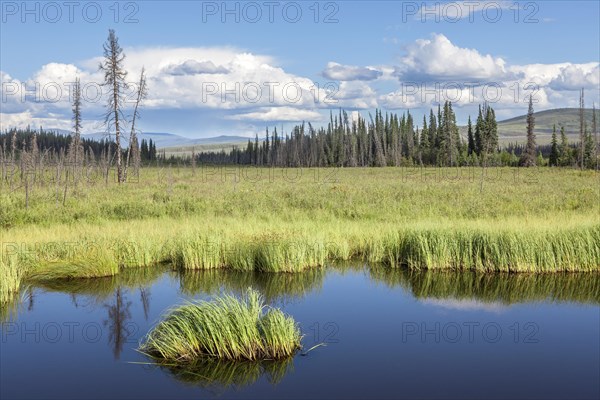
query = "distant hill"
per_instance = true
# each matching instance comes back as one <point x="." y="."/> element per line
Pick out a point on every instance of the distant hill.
<point x="514" y="129"/>
<point x="213" y="144"/>
<point x="168" y="140"/>
<point x="161" y="139"/>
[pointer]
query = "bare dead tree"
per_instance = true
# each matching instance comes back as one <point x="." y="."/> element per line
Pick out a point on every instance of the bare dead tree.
<point x="33" y="157"/>
<point x="581" y="128"/>
<point x="114" y="80"/>
<point x="3" y="161"/>
<point x="13" y="156"/>
<point x="595" y="133"/>
<point x="194" y="161"/>
<point x="134" y="149"/>
<point x="75" y="150"/>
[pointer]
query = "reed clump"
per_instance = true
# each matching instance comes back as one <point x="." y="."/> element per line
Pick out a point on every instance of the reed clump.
<point x="225" y="328"/>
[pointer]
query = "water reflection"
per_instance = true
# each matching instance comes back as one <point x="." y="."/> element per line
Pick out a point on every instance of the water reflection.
<point x="222" y="374"/>
<point x="275" y="287"/>
<point x="145" y="297"/>
<point x="118" y="322"/>
<point x="100" y="290"/>
<point x="464" y="289"/>
<point x="354" y="296"/>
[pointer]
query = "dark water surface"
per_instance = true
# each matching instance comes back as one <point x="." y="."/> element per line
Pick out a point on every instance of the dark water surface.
<point x="389" y="334"/>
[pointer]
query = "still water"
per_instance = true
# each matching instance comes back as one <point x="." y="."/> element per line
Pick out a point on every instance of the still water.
<point x="387" y="334"/>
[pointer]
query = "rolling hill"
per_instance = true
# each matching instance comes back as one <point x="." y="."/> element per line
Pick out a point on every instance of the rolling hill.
<point x="514" y="129"/>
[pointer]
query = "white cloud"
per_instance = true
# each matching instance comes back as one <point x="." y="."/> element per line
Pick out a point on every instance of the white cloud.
<point x="193" y="67"/>
<point x="220" y="78"/>
<point x="339" y="72"/>
<point x="575" y="77"/>
<point x="438" y="59"/>
<point x="278" y="114"/>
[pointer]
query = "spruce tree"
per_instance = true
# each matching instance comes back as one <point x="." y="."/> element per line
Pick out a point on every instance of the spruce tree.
<point x="528" y="158"/>
<point x="564" y="151"/>
<point x="554" y="149"/>
<point x="478" y="139"/>
<point x="470" y="137"/>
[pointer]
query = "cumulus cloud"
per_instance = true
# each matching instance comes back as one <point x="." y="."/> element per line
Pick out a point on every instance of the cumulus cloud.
<point x="339" y="72"/>
<point x="193" y="67"/>
<point x="279" y="114"/>
<point x="438" y="59"/>
<point x="219" y="78"/>
<point x="354" y="95"/>
<point x="575" y="77"/>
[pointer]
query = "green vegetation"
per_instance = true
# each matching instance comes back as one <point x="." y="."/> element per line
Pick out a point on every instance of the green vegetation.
<point x="507" y="250"/>
<point x="290" y="220"/>
<point x="11" y="275"/>
<point x="224" y="328"/>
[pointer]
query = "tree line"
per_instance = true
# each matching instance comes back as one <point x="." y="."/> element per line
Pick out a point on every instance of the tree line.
<point x="394" y="140"/>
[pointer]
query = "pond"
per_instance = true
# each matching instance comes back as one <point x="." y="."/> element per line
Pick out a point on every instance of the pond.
<point x="388" y="333"/>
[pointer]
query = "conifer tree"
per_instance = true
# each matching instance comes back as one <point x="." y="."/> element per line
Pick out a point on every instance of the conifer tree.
<point x="564" y="151"/>
<point x="528" y="158"/>
<point x="470" y="137"/>
<point x="554" y="155"/>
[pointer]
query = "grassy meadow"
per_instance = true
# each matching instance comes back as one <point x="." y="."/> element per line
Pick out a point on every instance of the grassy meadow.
<point x="289" y="220"/>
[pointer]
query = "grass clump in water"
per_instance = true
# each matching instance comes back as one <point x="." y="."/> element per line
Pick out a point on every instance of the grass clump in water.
<point x="225" y="328"/>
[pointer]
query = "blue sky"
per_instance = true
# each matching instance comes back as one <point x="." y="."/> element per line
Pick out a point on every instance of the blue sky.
<point x="358" y="55"/>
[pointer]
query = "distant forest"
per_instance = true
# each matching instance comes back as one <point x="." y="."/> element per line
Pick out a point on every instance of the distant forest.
<point x="383" y="140"/>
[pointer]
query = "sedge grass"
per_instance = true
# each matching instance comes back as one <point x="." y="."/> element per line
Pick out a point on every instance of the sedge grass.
<point x="224" y="328"/>
<point x="547" y="221"/>
<point x="11" y="276"/>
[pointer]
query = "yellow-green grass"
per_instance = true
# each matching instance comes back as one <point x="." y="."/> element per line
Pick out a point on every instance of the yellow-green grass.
<point x="288" y="220"/>
<point x="11" y="275"/>
<point x="224" y="328"/>
<point x="507" y="250"/>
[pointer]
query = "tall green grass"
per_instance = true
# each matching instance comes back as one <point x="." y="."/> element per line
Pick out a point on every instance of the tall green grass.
<point x="11" y="277"/>
<point x="225" y="328"/>
<point x="91" y="260"/>
<point x="546" y="220"/>
<point x="496" y="249"/>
